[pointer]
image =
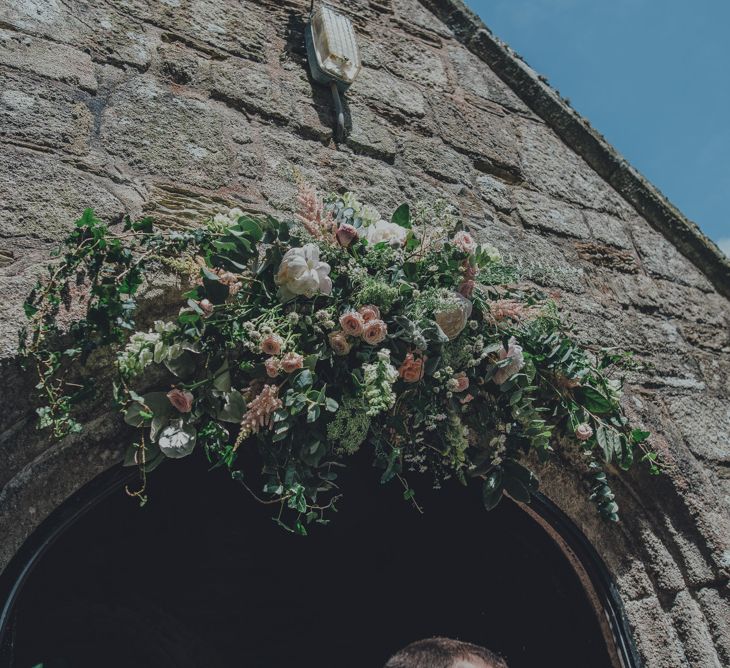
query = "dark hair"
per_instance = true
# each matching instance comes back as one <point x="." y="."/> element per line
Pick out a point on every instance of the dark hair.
<point x="441" y="653"/>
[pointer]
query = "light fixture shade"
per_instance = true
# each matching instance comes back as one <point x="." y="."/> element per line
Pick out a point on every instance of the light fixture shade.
<point x="333" y="49"/>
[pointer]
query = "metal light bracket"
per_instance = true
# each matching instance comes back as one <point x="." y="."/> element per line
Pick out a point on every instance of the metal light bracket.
<point x="334" y="58"/>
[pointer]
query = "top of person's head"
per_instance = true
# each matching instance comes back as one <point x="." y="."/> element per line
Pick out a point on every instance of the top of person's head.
<point x="444" y="653"/>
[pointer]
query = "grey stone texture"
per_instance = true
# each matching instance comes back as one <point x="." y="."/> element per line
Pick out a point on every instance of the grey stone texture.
<point x="180" y="108"/>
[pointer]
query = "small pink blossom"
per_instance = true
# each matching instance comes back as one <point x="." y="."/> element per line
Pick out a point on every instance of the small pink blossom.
<point x="291" y="362"/>
<point x="260" y="413"/>
<point x="346" y="234"/>
<point x="182" y="400"/>
<point x="374" y="332"/>
<point x="467" y="398"/>
<point x="352" y="323"/>
<point x="369" y="312"/>
<point x="464" y="242"/>
<point x="462" y="382"/>
<point x="583" y="431"/>
<point x="271" y="344"/>
<point x="412" y="369"/>
<point x="206" y="307"/>
<point x="273" y="367"/>
<point x="339" y="343"/>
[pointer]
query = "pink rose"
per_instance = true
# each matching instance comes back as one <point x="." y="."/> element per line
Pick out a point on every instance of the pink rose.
<point x="464" y="242"/>
<point x="352" y="323"/>
<point x="462" y="382"/>
<point x="369" y="312"/>
<point x="339" y="343"/>
<point x="583" y="431"/>
<point x="346" y="234"/>
<point x="206" y="307"/>
<point x="271" y="344"/>
<point x="291" y="362"/>
<point x="182" y="400"/>
<point x="374" y="332"/>
<point x="273" y="366"/>
<point x="412" y="369"/>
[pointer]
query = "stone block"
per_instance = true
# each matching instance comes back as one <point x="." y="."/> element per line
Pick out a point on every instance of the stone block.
<point x="660" y="258"/>
<point x="655" y="637"/>
<point x="705" y="425"/>
<point x="550" y="215"/>
<point x="437" y="160"/>
<point x="488" y="137"/>
<point x="109" y="35"/>
<point x="38" y="113"/>
<point x="495" y="192"/>
<point x="389" y="95"/>
<point x="541" y="149"/>
<point x="692" y="629"/>
<point x="149" y="129"/>
<point x="474" y="76"/>
<point x="47" y="59"/>
<point x="608" y="229"/>
<point x="715" y="605"/>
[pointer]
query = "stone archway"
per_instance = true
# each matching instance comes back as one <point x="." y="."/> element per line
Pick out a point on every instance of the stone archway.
<point x="170" y="584"/>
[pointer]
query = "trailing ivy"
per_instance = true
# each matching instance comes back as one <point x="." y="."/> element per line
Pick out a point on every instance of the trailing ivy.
<point x="314" y="338"/>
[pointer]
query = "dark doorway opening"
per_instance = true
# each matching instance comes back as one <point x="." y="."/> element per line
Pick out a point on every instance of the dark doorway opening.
<point x="201" y="577"/>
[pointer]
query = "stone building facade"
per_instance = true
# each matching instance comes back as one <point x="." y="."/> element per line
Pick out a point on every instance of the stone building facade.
<point x="179" y="108"/>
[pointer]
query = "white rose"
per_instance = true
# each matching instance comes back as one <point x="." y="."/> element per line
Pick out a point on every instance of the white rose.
<point x="453" y="316"/>
<point x="302" y="273"/>
<point x="391" y="233"/>
<point x="176" y="440"/>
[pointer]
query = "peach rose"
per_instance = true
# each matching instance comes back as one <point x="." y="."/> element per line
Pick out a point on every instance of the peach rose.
<point x="462" y="382"/>
<point x="412" y="369"/>
<point x="182" y="400"/>
<point x="369" y="312"/>
<point x="271" y="345"/>
<point x="291" y="362"/>
<point x="352" y="323"/>
<point x="339" y="343"/>
<point x="273" y="366"/>
<point x="374" y="332"/>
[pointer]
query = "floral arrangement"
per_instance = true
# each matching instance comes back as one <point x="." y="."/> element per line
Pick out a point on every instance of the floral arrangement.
<point x="310" y="339"/>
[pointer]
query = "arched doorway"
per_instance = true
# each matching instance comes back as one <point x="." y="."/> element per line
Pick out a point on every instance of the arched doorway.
<point x="201" y="577"/>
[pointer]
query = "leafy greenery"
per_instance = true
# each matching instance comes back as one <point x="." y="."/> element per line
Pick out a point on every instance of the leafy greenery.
<point x="311" y="339"/>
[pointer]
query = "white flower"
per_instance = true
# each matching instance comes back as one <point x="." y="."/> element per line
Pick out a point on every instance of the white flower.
<point x="391" y="233"/>
<point x="517" y="361"/>
<point x="492" y="253"/>
<point x="302" y="273"/>
<point x="176" y="440"/>
<point x="452" y="317"/>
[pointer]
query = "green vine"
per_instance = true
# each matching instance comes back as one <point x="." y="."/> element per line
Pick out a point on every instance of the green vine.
<point x="314" y="338"/>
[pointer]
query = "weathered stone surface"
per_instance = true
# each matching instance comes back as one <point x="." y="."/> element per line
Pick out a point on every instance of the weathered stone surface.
<point x="663" y="260"/>
<point x="716" y="607"/>
<point x="38" y="113"/>
<point x="552" y="216"/>
<point x="705" y="424"/>
<point x="574" y="182"/>
<point x="49" y="59"/>
<point x="692" y="630"/>
<point x="656" y="638"/>
<point x="107" y="34"/>
<point x="198" y="143"/>
<point x="608" y="229"/>
<point x="471" y="75"/>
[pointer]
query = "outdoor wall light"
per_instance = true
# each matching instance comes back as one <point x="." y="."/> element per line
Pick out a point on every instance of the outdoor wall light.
<point x="333" y="55"/>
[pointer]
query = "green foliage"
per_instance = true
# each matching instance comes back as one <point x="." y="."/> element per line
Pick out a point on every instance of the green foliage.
<point x="375" y="349"/>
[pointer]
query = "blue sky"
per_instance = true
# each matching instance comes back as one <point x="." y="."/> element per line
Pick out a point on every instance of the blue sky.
<point x="652" y="75"/>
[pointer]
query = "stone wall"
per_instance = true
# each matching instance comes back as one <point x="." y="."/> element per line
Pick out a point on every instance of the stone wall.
<point x="181" y="107"/>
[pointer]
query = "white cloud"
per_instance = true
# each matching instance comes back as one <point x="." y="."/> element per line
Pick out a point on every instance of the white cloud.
<point x="724" y="245"/>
